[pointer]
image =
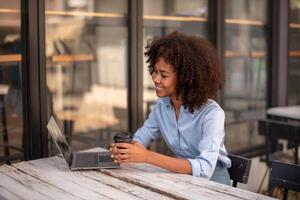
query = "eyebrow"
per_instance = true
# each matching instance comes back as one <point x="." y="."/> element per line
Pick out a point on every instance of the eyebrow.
<point x="162" y="71"/>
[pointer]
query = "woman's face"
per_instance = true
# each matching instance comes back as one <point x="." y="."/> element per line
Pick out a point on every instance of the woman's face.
<point x="164" y="78"/>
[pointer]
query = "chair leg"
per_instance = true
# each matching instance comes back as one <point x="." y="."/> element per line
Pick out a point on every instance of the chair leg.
<point x="270" y="190"/>
<point x="4" y="131"/>
<point x="234" y="184"/>
<point x="263" y="180"/>
<point x="267" y="142"/>
<point x="285" y="194"/>
<point x="296" y="154"/>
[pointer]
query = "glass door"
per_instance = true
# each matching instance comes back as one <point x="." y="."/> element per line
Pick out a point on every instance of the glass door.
<point x="11" y="111"/>
<point x="87" y="69"/>
<point x="160" y="18"/>
<point x="294" y="54"/>
<point x="244" y="97"/>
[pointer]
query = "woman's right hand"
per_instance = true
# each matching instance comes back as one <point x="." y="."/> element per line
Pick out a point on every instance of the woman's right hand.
<point x="124" y="152"/>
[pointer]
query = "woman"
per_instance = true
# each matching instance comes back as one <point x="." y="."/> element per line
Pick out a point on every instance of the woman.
<point x="186" y="74"/>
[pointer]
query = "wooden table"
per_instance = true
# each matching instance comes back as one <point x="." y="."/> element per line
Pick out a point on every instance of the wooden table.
<point x="50" y="178"/>
<point x="288" y="112"/>
<point x="286" y="125"/>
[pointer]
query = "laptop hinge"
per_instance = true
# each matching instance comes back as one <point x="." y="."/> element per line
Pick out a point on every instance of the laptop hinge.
<point x="71" y="160"/>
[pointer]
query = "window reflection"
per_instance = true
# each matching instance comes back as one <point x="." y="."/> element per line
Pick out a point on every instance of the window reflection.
<point x="294" y="54"/>
<point x="246" y="62"/>
<point x="86" y="50"/>
<point x="11" y="109"/>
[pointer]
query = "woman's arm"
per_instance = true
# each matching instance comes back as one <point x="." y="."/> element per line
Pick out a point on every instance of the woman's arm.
<point x="138" y="153"/>
<point x="170" y="163"/>
<point x="150" y="130"/>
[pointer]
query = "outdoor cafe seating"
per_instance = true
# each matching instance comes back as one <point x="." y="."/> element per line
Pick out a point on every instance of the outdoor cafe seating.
<point x="286" y="176"/>
<point x="281" y="130"/>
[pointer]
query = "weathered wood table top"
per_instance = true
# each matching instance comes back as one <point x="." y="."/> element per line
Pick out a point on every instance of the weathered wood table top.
<point x="288" y="112"/>
<point x="50" y="178"/>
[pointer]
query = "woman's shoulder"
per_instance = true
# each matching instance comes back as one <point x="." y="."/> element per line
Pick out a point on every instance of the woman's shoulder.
<point x="213" y="105"/>
<point x="159" y="104"/>
<point x="164" y="101"/>
<point x="211" y="108"/>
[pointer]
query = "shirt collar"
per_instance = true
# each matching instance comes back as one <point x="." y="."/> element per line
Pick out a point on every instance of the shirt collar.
<point x="167" y="102"/>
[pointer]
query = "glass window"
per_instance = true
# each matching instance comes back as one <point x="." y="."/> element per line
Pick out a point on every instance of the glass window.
<point x="87" y="52"/>
<point x="245" y="69"/>
<point x="294" y="54"/>
<point x="160" y="18"/>
<point x="11" y="114"/>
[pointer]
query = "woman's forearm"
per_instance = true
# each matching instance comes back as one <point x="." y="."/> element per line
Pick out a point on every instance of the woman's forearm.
<point x="173" y="164"/>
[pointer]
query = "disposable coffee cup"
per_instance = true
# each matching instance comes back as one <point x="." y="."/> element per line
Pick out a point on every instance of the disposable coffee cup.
<point x="123" y="137"/>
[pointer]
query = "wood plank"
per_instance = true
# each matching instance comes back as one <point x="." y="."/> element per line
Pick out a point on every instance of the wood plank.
<point x="5" y="194"/>
<point x="245" y="22"/>
<point x="13" y="189"/>
<point x="175" y="18"/>
<point x="114" y="182"/>
<point x="36" y="185"/>
<point x="135" y="173"/>
<point x="254" y="54"/>
<point x="11" y="58"/>
<point x="178" y="185"/>
<point x="73" y="58"/>
<point x="124" y="186"/>
<point x="295" y="53"/>
<point x="85" y="14"/>
<point x="84" y="184"/>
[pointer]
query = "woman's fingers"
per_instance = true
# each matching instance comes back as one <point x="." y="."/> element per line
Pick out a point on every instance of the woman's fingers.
<point x="121" y="157"/>
<point x="119" y="151"/>
<point x="125" y="152"/>
<point x="122" y="145"/>
<point x="124" y="161"/>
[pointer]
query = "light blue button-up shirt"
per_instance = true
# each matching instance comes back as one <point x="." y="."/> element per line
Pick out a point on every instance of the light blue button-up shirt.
<point x="197" y="137"/>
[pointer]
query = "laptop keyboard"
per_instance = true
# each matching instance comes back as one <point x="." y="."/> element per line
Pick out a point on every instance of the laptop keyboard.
<point x="86" y="160"/>
<point x="105" y="158"/>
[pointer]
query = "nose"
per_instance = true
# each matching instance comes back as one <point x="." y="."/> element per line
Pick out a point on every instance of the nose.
<point x="156" y="78"/>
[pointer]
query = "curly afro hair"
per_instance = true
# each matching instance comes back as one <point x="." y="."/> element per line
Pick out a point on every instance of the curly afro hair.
<point x="199" y="73"/>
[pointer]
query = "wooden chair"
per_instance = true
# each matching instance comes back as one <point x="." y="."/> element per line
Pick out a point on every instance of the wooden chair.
<point x="286" y="176"/>
<point x="239" y="170"/>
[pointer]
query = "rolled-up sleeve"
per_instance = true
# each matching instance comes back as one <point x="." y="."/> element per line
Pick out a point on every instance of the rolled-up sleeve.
<point x="150" y="130"/>
<point x="209" y="146"/>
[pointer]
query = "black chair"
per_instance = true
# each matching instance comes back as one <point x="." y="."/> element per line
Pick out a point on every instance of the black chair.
<point x="8" y="156"/>
<point x="274" y="130"/>
<point x="286" y="176"/>
<point x="239" y="170"/>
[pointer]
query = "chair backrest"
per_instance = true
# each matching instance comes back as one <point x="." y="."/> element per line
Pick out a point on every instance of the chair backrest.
<point x="240" y="169"/>
<point x="285" y="175"/>
<point x="279" y="129"/>
<point x="273" y="130"/>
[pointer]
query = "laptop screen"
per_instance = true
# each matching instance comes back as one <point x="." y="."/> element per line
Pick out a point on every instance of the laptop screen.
<point x="59" y="139"/>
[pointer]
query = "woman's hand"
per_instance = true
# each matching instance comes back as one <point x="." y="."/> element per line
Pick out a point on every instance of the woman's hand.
<point x="124" y="152"/>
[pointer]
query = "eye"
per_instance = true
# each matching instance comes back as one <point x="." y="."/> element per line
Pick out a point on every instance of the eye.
<point x="163" y="76"/>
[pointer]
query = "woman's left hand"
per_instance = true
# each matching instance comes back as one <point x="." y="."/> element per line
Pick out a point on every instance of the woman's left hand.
<point x="124" y="152"/>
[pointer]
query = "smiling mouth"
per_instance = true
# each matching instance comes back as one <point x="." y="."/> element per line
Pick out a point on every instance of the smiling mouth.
<point x="158" y="87"/>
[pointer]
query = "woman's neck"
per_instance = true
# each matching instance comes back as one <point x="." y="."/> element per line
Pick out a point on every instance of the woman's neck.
<point x="176" y="102"/>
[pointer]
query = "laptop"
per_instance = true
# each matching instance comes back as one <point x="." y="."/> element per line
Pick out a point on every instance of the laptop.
<point x="79" y="160"/>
